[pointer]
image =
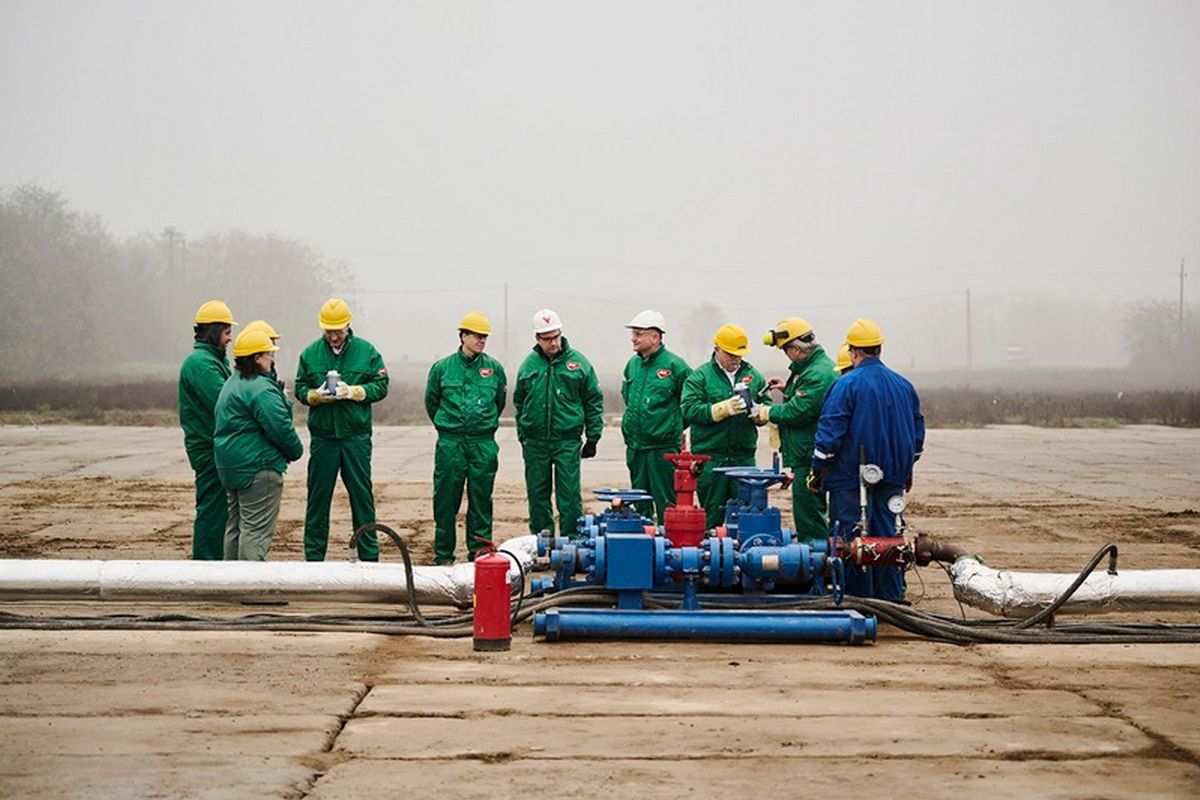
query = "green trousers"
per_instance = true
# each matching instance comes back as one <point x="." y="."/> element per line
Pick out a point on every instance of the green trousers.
<point x="714" y="489"/>
<point x="327" y="458"/>
<point x="208" y="530"/>
<point x="648" y="470"/>
<point x="253" y="515"/>
<point x="552" y="464"/>
<point x="808" y="509"/>
<point x="458" y="461"/>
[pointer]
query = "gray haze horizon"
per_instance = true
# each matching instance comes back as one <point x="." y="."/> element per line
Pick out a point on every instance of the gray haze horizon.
<point x="826" y="160"/>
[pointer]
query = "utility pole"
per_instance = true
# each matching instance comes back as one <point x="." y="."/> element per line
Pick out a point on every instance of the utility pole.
<point x="1182" y="275"/>
<point x="969" y="349"/>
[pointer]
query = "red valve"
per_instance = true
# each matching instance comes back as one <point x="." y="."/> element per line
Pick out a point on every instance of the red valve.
<point x="683" y="523"/>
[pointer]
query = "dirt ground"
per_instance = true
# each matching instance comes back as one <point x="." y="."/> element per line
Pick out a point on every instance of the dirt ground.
<point x="223" y="714"/>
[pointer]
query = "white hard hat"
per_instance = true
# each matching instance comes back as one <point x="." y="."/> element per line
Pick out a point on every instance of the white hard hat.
<point x="648" y="319"/>
<point x="545" y="320"/>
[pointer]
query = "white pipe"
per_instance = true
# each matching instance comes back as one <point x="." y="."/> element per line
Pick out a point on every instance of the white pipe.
<point x="343" y="581"/>
<point x="1023" y="594"/>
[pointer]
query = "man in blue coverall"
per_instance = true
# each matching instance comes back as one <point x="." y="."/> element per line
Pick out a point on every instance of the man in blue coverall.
<point x="873" y="411"/>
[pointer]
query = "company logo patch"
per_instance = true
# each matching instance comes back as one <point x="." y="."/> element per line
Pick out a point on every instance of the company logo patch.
<point x="801" y="393"/>
<point x="383" y="371"/>
<point x="573" y="365"/>
<point x="664" y="373"/>
<point x="546" y="320"/>
<point x="486" y="372"/>
<point x="747" y="379"/>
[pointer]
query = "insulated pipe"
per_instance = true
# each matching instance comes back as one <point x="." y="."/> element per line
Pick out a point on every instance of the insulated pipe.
<point x="341" y="581"/>
<point x="848" y="627"/>
<point x="1023" y="594"/>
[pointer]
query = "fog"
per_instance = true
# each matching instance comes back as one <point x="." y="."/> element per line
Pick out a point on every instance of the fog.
<point x="828" y="160"/>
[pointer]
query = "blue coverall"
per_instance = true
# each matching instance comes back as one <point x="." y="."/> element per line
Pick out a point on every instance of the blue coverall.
<point x="874" y="414"/>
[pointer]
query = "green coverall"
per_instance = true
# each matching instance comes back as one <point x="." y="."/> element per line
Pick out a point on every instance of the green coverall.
<point x="464" y="397"/>
<point x="557" y="400"/>
<point x="797" y="415"/>
<point x="653" y="425"/>
<point x="254" y="433"/>
<point x="201" y="377"/>
<point x="731" y="442"/>
<point x="340" y="440"/>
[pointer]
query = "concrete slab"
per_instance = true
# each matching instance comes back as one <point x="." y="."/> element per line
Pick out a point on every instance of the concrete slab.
<point x="778" y="775"/>
<point x="1169" y="714"/>
<point x="258" y="735"/>
<point x="198" y="775"/>
<point x="179" y="698"/>
<point x="788" y="700"/>
<point x="714" y="673"/>
<point x="690" y="737"/>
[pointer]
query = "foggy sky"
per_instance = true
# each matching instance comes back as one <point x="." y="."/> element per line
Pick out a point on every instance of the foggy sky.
<point x="831" y="160"/>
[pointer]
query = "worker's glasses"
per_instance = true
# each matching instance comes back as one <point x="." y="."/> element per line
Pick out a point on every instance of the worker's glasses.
<point x="548" y="337"/>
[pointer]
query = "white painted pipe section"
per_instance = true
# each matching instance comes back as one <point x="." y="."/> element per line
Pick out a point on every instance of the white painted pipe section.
<point x="1023" y="594"/>
<point x="167" y="581"/>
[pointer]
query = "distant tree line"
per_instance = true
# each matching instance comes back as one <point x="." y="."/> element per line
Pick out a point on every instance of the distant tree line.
<point x="77" y="302"/>
<point x="1162" y="340"/>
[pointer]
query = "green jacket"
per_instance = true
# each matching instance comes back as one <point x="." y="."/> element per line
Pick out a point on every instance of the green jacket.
<point x="734" y="438"/>
<point x="359" y="365"/>
<point x="651" y="391"/>
<point x="558" y="399"/>
<point x="797" y="414"/>
<point x="254" y="430"/>
<point x="200" y="380"/>
<point x="464" y="396"/>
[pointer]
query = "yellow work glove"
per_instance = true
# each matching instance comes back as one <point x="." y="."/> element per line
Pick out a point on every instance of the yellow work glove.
<point x="761" y="415"/>
<point x="773" y="437"/>
<point x="319" y="397"/>
<point x="728" y="408"/>
<point x="349" y="392"/>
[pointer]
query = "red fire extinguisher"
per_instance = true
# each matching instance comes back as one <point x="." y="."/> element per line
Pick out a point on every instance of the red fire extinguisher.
<point x="493" y="623"/>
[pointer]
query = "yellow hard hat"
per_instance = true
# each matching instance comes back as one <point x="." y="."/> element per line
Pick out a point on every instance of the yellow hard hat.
<point x="864" y="333"/>
<point x="475" y="322"/>
<point x="335" y="314"/>
<point x="251" y="342"/>
<point x="214" y="311"/>
<point x="261" y="325"/>
<point x="732" y="339"/>
<point x="786" y="330"/>
<point x="843" y="360"/>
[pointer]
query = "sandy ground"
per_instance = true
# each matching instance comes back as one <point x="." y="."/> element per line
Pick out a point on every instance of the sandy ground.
<point x="329" y="715"/>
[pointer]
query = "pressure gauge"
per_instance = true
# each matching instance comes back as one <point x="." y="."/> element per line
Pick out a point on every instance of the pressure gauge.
<point x="871" y="474"/>
<point x="896" y="504"/>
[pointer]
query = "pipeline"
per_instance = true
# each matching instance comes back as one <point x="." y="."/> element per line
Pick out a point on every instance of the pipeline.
<point x="1024" y="594"/>
<point x="351" y="582"/>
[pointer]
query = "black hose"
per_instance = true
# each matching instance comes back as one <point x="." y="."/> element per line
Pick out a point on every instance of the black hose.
<point x="408" y="569"/>
<point x="1110" y="550"/>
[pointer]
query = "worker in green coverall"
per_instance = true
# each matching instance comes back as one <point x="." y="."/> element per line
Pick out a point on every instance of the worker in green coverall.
<point x="254" y="441"/>
<point x="201" y="377"/>
<point x="652" y="423"/>
<point x="464" y="396"/>
<point x="558" y="399"/>
<point x="719" y="419"/>
<point x="812" y="373"/>
<point x="339" y="424"/>
<point x="265" y="327"/>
